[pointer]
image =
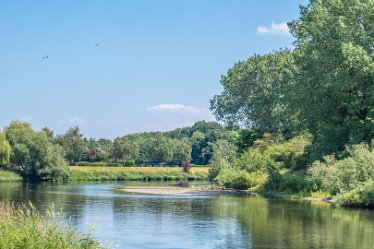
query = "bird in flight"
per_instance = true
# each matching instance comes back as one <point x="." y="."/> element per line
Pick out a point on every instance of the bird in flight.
<point x="45" y="57"/>
<point x="97" y="44"/>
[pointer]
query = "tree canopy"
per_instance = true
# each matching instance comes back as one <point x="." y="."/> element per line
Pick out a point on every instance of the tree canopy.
<point x="324" y="86"/>
<point x="253" y="92"/>
<point x="33" y="153"/>
<point x="333" y="91"/>
<point x="73" y="143"/>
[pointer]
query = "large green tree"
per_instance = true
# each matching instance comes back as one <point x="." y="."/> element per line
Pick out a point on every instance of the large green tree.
<point x="125" y="150"/>
<point x="158" y="149"/>
<point x="73" y="143"/>
<point x="253" y="92"/>
<point x="181" y="151"/>
<point x="34" y="155"/>
<point x="334" y="87"/>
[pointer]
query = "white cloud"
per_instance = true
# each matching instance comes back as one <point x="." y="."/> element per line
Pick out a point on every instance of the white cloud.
<point x="171" y="116"/>
<point x="72" y="121"/>
<point x="275" y="29"/>
<point x="176" y="108"/>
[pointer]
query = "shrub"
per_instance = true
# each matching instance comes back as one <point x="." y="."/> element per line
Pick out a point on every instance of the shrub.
<point x="355" y="170"/>
<point x="287" y="153"/>
<point x="95" y="154"/>
<point x="274" y="179"/>
<point x="350" y="179"/>
<point x="186" y="167"/>
<point x="295" y="182"/>
<point x="226" y="177"/>
<point x="242" y="181"/>
<point x="218" y="165"/>
<point x="255" y="161"/>
<point x="321" y="173"/>
<point x="248" y="171"/>
<point x="362" y="196"/>
<point x="245" y="180"/>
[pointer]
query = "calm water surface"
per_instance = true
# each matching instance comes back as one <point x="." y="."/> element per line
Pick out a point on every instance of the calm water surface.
<point x="230" y="221"/>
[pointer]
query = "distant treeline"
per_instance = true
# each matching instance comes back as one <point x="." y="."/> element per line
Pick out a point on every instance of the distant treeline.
<point x="43" y="156"/>
<point x="194" y="144"/>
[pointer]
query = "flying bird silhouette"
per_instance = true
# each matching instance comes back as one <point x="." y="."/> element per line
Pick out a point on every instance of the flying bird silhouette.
<point x="97" y="44"/>
<point x="45" y="57"/>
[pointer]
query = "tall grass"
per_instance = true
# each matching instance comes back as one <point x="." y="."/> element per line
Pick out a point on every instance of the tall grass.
<point x="22" y="226"/>
<point x="78" y="173"/>
<point x="9" y="176"/>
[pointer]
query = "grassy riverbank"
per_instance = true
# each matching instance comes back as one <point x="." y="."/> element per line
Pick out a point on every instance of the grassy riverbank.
<point x="23" y="227"/>
<point x="78" y="173"/>
<point x="9" y="176"/>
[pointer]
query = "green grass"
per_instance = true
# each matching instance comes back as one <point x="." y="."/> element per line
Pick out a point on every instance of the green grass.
<point x="87" y="173"/>
<point x="23" y="227"/>
<point x="9" y="176"/>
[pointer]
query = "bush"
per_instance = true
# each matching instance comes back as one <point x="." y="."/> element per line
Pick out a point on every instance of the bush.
<point x="353" y="171"/>
<point x="218" y="165"/>
<point x="245" y="180"/>
<point x="350" y="179"/>
<point x="321" y="173"/>
<point x="9" y="176"/>
<point x="295" y="182"/>
<point x="226" y="177"/>
<point x="95" y="154"/>
<point x="255" y="161"/>
<point x="241" y="181"/>
<point x="186" y="167"/>
<point x="248" y="171"/>
<point x="274" y="179"/>
<point x="362" y="196"/>
<point x="287" y="153"/>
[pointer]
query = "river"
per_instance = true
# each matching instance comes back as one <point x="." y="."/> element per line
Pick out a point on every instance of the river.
<point x="127" y="221"/>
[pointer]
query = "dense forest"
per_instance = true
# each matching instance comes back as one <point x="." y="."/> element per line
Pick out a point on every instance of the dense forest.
<point x="295" y="120"/>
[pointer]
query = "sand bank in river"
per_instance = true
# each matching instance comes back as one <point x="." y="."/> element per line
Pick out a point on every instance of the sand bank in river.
<point x="176" y="191"/>
<point x="185" y="191"/>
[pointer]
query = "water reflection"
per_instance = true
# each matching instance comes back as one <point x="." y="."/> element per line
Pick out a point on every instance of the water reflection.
<point x="141" y="221"/>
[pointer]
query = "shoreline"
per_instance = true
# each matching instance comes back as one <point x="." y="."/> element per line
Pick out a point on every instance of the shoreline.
<point x="294" y="197"/>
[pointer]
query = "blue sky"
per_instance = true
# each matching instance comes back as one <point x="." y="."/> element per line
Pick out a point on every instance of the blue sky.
<point x="156" y="66"/>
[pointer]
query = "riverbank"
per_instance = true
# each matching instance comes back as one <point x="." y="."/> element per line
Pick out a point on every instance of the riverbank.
<point x="23" y="227"/>
<point x="83" y="173"/>
<point x="9" y="176"/>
